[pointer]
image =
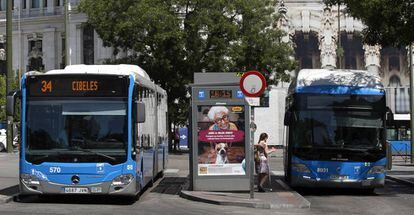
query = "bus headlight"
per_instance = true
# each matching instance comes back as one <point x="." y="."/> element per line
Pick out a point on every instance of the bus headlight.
<point x="377" y="170"/>
<point x="29" y="179"/>
<point x="122" y="180"/>
<point x="298" y="167"/>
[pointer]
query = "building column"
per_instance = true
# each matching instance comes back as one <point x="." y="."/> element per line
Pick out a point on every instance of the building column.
<point x="49" y="49"/>
<point x="25" y="52"/>
<point x="283" y="23"/>
<point x="372" y="58"/>
<point x="327" y="40"/>
<point x="28" y="6"/>
<point x="50" y="6"/>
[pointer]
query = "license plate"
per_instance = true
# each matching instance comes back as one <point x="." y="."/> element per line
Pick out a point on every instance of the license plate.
<point x="339" y="177"/>
<point x="76" y="190"/>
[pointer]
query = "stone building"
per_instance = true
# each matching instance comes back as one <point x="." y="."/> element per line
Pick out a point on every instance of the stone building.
<point x="39" y="39"/>
<point x="315" y="30"/>
<point x="39" y="43"/>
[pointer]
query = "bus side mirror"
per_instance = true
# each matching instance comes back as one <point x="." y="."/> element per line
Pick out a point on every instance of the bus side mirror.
<point x="140" y="112"/>
<point x="288" y="117"/>
<point x="11" y="102"/>
<point x="389" y="116"/>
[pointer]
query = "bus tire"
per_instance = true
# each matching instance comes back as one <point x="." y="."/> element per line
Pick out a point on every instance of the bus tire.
<point x="151" y="182"/>
<point x="369" y="190"/>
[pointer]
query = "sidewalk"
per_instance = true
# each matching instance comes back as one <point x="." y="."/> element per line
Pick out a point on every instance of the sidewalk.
<point x="281" y="195"/>
<point x="402" y="172"/>
<point x="9" y="174"/>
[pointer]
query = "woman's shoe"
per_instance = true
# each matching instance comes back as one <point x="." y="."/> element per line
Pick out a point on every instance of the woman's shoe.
<point x="260" y="189"/>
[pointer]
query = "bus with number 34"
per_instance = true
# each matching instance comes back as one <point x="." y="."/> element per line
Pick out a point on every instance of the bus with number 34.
<point x="91" y="129"/>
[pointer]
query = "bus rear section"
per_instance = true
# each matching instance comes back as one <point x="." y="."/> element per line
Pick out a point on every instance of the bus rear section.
<point x="336" y="134"/>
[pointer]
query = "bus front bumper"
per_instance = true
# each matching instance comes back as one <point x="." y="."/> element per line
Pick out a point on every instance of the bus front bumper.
<point x="103" y="188"/>
<point x="348" y="183"/>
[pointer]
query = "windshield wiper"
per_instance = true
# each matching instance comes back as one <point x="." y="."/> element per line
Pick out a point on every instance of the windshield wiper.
<point x="93" y="152"/>
<point x="41" y="157"/>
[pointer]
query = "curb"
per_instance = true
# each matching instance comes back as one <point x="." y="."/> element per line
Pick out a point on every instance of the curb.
<point x="189" y="196"/>
<point x="288" y="196"/>
<point x="399" y="180"/>
<point x="304" y="202"/>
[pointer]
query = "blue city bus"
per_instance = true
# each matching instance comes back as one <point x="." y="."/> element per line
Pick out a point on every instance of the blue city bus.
<point x="335" y="130"/>
<point x="91" y="129"/>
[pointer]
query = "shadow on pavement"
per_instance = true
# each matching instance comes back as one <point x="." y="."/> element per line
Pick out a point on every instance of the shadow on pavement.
<point x="391" y="189"/>
<point x="77" y="199"/>
<point x="171" y="185"/>
<point x="9" y="191"/>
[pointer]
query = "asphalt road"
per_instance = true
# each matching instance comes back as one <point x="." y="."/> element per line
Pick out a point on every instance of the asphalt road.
<point x="162" y="198"/>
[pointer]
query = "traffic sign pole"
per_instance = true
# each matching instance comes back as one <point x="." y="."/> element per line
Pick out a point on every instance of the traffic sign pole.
<point x="252" y="84"/>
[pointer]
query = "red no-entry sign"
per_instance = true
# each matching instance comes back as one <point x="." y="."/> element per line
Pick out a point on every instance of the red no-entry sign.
<point x="252" y="84"/>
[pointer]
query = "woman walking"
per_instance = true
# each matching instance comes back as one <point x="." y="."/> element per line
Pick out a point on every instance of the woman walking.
<point x="261" y="160"/>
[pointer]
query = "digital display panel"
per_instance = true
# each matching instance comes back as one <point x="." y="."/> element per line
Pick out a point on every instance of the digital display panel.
<point x="79" y="85"/>
<point x="220" y="94"/>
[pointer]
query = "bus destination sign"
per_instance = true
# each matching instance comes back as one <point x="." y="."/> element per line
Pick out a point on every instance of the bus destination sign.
<point x="90" y="85"/>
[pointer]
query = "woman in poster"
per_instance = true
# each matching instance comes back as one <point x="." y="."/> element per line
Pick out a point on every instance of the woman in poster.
<point x="220" y="116"/>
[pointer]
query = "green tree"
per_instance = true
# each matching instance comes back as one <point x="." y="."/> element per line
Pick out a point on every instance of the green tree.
<point x="15" y="86"/>
<point x="172" y="39"/>
<point x="388" y="22"/>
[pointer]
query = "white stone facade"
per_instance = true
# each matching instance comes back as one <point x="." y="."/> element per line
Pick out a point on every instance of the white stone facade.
<point x="312" y="29"/>
<point x="44" y="21"/>
<point x="313" y="17"/>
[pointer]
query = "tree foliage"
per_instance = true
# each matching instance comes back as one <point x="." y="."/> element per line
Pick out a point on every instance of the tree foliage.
<point x="14" y="86"/>
<point x="172" y="39"/>
<point x="389" y="22"/>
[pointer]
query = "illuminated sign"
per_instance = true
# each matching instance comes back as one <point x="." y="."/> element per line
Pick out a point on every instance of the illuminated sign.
<point x="79" y="85"/>
<point x="85" y="85"/>
<point x="218" y="94"/>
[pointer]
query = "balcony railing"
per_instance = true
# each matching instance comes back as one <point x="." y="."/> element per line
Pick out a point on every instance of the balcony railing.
<point x="398" y="99"/>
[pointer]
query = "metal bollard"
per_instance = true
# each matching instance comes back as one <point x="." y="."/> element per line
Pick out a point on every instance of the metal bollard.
<point x="389" y="155"/>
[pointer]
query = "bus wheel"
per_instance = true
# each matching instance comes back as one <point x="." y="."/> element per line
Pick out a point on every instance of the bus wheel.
<point x="151" y="182"/>
<point x="2" y="148"/>
<point x="369" y="190"/>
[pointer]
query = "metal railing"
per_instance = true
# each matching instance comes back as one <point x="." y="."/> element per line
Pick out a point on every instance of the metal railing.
<point x="398" y="99"/>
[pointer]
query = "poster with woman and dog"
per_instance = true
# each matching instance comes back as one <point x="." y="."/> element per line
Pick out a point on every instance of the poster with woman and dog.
<point x="221" y="146"/>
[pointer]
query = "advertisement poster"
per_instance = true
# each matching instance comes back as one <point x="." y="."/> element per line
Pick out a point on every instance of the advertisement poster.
<point x="221" y="147"/>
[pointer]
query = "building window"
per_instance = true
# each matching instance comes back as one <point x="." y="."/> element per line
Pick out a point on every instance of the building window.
<point x="24" y="4"/>
<point x="35" y="56"/>
<point x="35" y="3"/>
<point x="63" y="64"/>
<point x="394" y="81"/>
<point x="88" y="45"/>
<point x="353" y="51"/>
<point x="57" y="3"/>
<point x="3" y="5"/>
<point x="306" y="50"/>
<point x="394" y="63"/>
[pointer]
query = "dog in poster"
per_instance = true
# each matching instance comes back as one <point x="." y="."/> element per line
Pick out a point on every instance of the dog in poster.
<point x="221" y="152"/>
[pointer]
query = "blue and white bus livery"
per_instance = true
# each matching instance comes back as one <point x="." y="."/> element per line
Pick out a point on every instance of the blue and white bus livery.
<point x="97" y="129"/>
<point x="335" y="130"/>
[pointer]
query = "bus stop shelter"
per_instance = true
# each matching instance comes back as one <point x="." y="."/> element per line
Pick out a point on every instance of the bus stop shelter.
<point x="219" y="134"/>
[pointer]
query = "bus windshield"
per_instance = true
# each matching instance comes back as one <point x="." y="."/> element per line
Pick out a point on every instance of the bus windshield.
<point x="69" y="130"/>
<point x="330" y="128"/>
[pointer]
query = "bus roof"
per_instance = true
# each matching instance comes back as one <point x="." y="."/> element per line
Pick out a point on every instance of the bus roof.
<point x="122" y="69"/>
<point x="325" y="81"/>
